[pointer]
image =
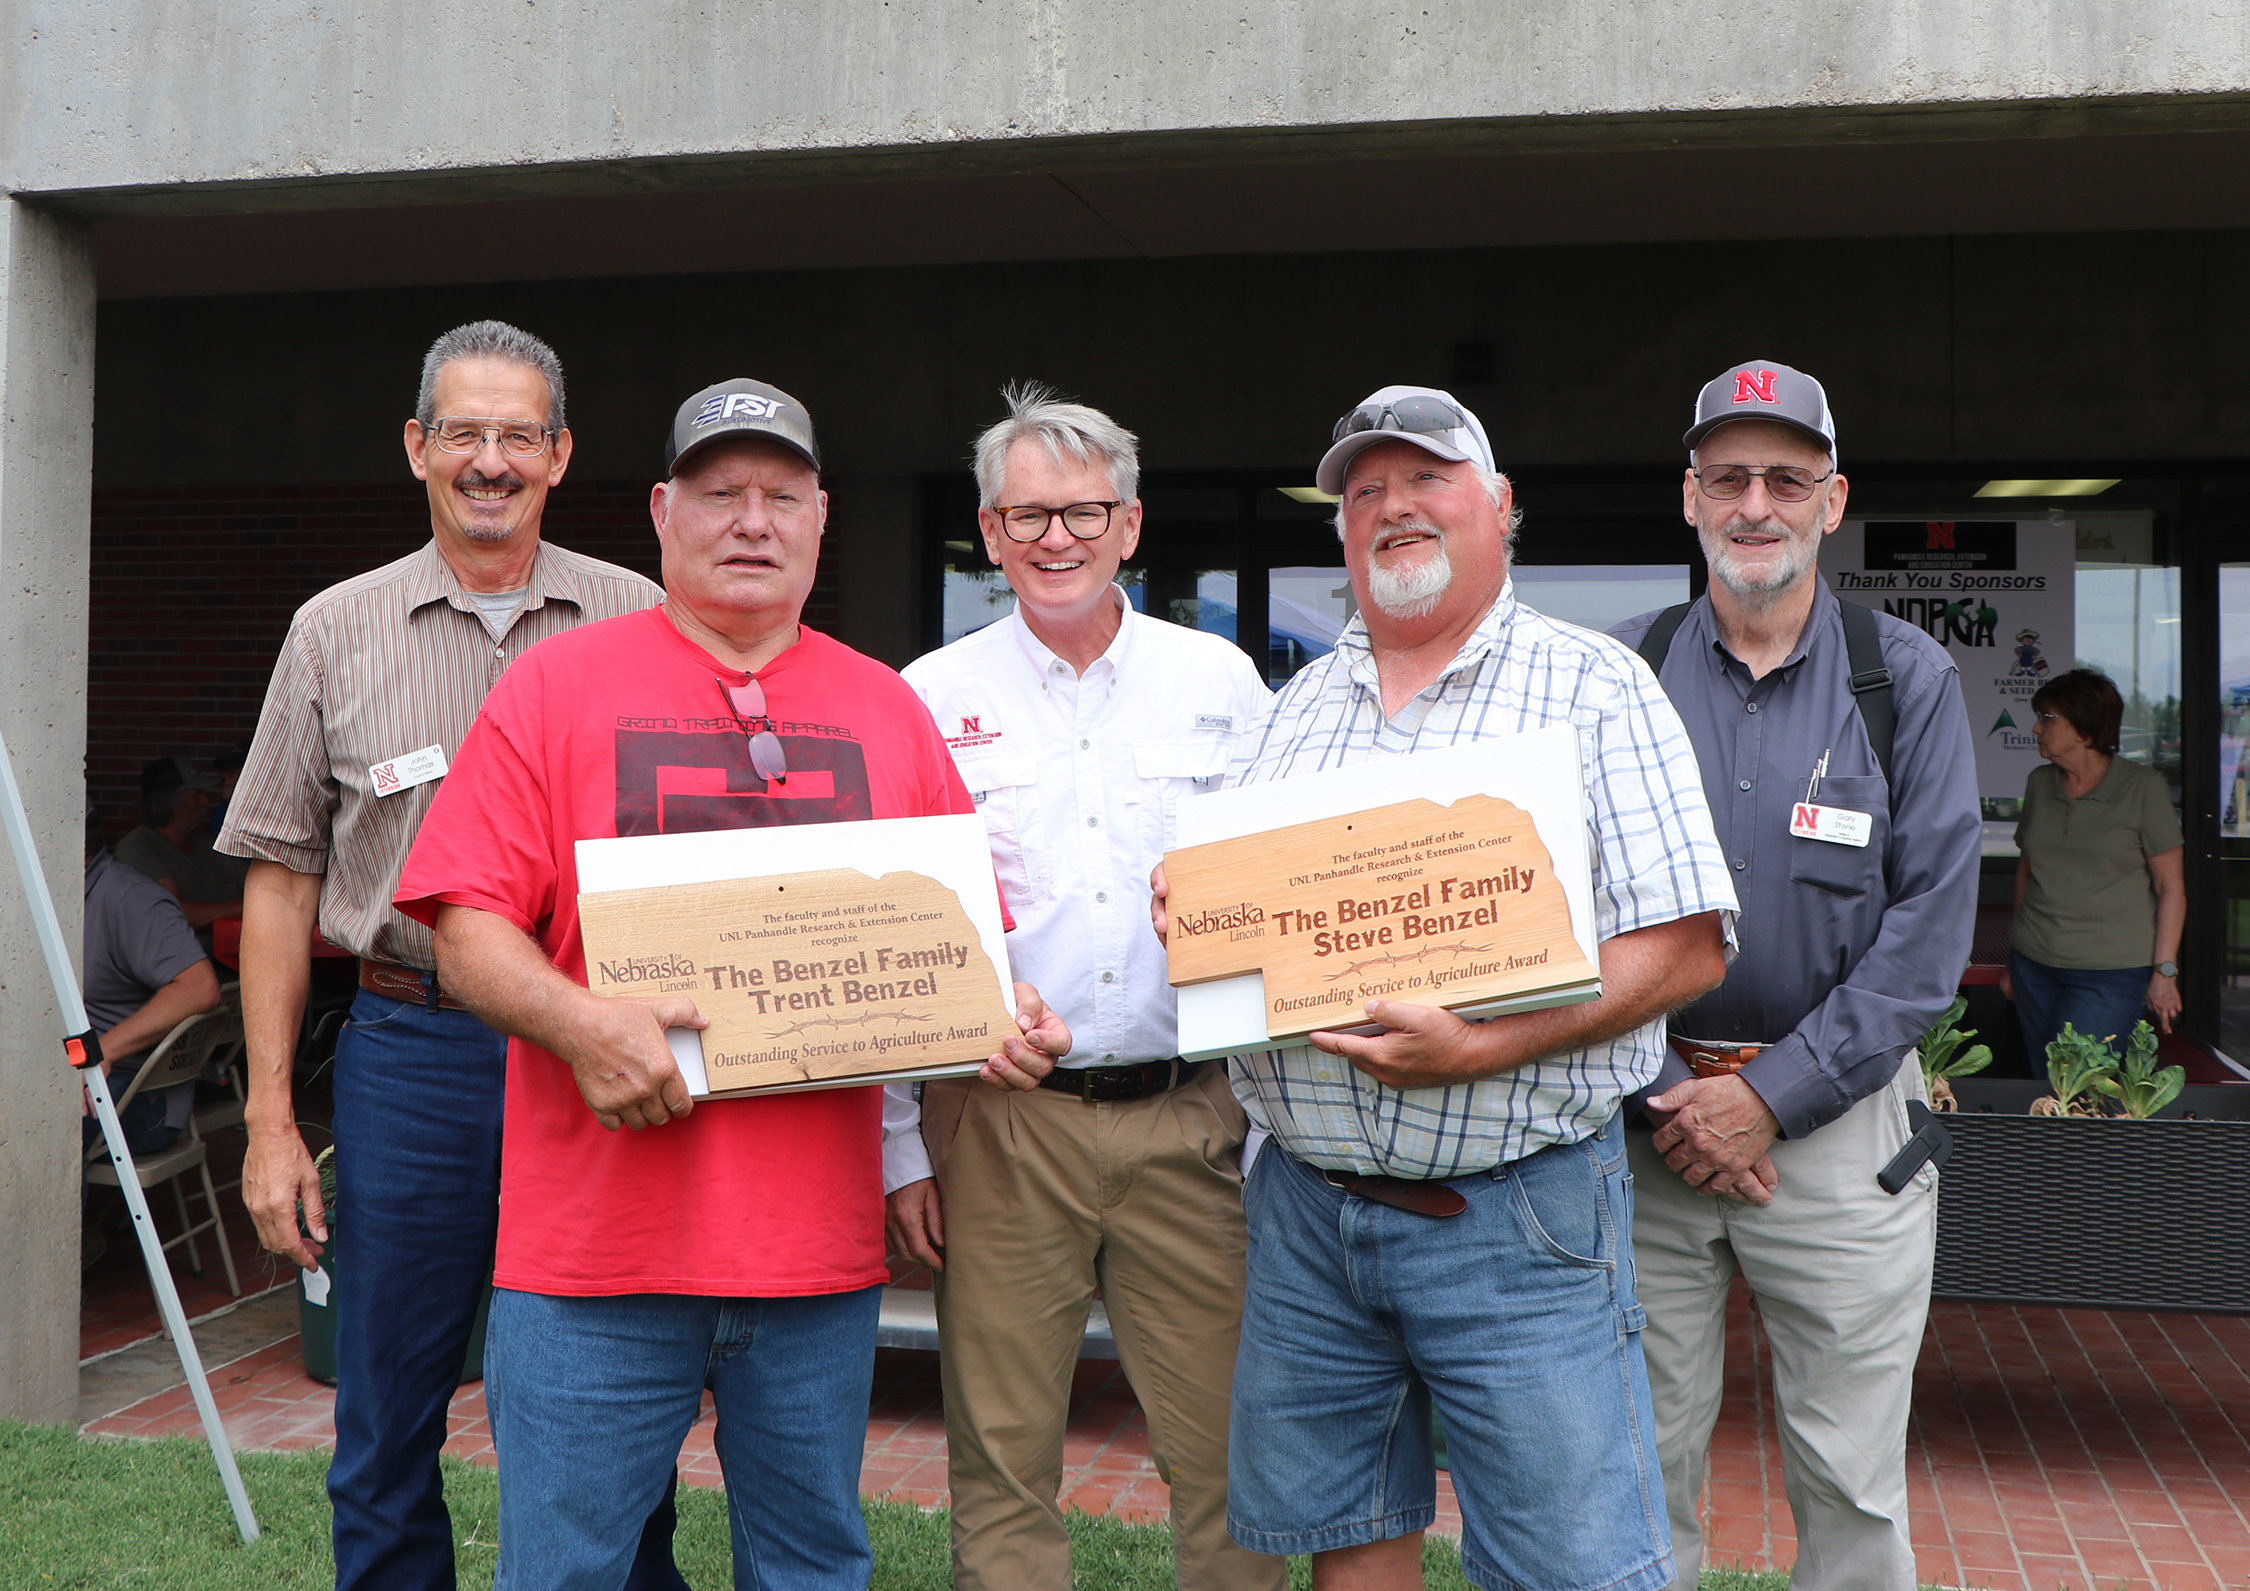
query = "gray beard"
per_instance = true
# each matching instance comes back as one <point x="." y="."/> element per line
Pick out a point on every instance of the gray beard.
<point x="1761" y="590"/>
<point x="1410" y="593"/>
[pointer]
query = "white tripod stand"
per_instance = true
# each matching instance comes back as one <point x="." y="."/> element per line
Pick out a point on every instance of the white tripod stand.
<point x="85" y="1054"/>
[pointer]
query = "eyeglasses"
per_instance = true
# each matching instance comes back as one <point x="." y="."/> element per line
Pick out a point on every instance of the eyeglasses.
<point x="1086" y="521"/>
<point x="456" y="434"/>
<point x="1785" y="483"/>
<point x="2047" y="718"/>
<point x="1422" y="416"/>
<point x="747" y="705"/>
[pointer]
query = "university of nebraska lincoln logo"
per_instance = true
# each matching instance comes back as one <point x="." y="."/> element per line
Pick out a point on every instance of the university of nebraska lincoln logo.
<point x="1754" y="386"/>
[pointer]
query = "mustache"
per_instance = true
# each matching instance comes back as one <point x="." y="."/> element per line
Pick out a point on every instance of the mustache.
<point x="1762" y="527"/>
<point x="510" y="482"/>
<point x="1412" y="527"/>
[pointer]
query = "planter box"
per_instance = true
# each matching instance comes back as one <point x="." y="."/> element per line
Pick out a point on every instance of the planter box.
<point x="2096" y="1214"/>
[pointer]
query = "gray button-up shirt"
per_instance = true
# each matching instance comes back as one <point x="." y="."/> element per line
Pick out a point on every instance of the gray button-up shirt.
<point x="1848" y="954"/>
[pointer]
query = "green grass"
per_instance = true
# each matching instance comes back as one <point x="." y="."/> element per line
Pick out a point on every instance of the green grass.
<point x="124" y="1516"/>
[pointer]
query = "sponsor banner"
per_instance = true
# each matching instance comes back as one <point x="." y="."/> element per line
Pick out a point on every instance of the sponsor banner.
<point x="2000" y="595"/>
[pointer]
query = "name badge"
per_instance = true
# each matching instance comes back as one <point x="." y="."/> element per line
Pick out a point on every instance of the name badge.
<point x="416" y="767"/>
<point x="1834" y="825"/>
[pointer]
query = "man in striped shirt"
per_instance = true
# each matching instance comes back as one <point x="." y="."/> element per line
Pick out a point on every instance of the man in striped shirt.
<point x="377" y="683"/>
<point x="1443" y="1217"/>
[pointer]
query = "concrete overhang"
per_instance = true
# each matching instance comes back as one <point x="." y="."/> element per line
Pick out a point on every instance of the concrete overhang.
<point x="275" y="145"/>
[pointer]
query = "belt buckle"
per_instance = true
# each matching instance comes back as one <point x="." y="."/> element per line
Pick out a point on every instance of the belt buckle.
<point x="1086" y="1087"/>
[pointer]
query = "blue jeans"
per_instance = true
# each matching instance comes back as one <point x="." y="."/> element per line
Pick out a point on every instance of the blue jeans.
<point x="418" y="1099"/>
<point x="2105" y="1003"/>
<point x="1517" y="1318"/>
<point x="591" y="1398"/>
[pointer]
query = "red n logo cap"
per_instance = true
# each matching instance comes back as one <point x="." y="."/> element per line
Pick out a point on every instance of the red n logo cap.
<point x="1754" y="386"/>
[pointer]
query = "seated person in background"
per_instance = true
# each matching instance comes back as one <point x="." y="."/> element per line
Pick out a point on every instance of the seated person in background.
<point x="226" y="767"/>
<point x="173" y="847"/>
<point x="2100" y="896"/>
<point x="145" y="974"/>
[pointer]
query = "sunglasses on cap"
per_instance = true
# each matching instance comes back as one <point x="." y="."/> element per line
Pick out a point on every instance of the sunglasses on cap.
<point x="747" y="704"/>
<point x="1422" y="416"/>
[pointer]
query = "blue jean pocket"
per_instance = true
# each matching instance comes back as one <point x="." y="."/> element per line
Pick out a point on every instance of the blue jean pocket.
<point x="1562" y="1200"/>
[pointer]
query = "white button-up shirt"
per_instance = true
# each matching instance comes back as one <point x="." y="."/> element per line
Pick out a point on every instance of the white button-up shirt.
<point x="1079" y="778"/>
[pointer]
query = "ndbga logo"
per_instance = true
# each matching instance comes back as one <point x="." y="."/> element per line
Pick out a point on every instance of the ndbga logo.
<point x="728" y="405"/>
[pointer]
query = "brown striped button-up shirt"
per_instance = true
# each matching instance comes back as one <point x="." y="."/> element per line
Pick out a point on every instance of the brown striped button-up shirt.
<point x="375" y="667"/>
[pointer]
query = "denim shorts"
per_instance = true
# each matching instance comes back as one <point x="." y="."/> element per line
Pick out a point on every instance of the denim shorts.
<point x="1516" y="1319"/>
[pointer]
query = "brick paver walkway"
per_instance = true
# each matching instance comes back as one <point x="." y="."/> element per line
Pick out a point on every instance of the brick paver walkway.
<point x="2050" y="1448"/>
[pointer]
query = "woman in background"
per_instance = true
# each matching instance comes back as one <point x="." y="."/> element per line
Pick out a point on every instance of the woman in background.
<point x="2099" y="897"/>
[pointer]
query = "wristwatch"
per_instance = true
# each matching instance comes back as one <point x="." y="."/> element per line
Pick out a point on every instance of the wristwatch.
<point x="2170" y="969"/>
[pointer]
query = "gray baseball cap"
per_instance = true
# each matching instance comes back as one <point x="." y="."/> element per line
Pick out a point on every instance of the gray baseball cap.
<point x="740" y="407"/>
<point x="1429" y="418"/>
<point x="1763" y="390"/>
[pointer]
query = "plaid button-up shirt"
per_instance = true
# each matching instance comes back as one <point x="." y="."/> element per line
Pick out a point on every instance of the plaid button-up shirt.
<point x="1655" y="860"/>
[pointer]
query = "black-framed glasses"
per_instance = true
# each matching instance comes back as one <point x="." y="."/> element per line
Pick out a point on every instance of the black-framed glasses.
<point x="1028" y="522"/>
<point x="747" y="704"/>
<point x="1785" y="483"/>
<point x="467" y="434"/>
<point x="1422" y="416"/>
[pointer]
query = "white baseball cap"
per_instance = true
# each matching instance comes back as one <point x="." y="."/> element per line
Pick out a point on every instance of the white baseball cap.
<point x="1431" y="419"/>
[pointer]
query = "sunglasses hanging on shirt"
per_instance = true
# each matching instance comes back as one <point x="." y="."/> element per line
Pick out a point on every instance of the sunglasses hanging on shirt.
<point x="747" y="704"/>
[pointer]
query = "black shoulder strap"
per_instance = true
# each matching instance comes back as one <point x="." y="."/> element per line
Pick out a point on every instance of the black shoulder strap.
<point x="1871" y="682"/>
<point x="1656" y="646"/>
<point x="1863" y="648"/>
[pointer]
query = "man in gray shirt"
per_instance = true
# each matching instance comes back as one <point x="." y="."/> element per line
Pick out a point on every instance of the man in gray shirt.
<point x="1846" y="805"/>
<point x="145" y="974"/>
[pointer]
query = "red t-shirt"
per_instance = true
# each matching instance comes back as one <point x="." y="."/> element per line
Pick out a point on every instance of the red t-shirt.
<point x="622" y="727"/>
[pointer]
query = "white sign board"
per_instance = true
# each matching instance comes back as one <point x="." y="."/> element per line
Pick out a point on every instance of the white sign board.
<point x="1997" y="594"/>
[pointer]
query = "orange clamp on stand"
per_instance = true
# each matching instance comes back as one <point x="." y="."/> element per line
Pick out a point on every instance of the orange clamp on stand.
<point x="84" y="1050"/>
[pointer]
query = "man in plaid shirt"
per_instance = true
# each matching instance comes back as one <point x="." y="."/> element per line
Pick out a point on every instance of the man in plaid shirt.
<point x="1444" y="1216"/>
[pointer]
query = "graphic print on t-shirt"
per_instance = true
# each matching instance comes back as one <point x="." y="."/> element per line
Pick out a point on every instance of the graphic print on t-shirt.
<point x="689" y="775"/>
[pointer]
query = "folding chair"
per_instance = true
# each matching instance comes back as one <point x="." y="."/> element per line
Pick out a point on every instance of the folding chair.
<point x="180" y="1058"/>
<point x="226" y="1062"/>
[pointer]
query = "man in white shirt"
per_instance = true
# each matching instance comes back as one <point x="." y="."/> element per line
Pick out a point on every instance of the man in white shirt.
<point x="1079" y="725"/>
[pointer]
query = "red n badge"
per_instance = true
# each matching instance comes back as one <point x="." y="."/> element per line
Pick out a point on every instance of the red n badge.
<point x="972" y="726"/>
<point x="1754" y="386"/>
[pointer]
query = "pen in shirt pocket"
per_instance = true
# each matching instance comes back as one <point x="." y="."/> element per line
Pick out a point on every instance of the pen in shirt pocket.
<point x="1819" y="772"/>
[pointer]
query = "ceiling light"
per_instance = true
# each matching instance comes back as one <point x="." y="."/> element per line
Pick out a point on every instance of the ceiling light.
<point x="1306" y="494"/>
<point x="2045" y="488"/>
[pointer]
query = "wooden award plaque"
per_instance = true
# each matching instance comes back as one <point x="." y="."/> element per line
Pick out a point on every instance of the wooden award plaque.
<point x="1433" y="905"/>
<point x="808" y="978"/>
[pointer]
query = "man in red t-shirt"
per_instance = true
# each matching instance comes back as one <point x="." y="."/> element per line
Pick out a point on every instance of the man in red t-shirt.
<point x="742" y="1248"/>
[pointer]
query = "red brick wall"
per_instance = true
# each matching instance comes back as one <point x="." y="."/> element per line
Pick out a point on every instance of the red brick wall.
<point x="193" y="590"/>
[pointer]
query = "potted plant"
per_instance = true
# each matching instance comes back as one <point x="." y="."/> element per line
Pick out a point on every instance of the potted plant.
<point x="316" y="1298"/>
<point x="1943" y="1059"/>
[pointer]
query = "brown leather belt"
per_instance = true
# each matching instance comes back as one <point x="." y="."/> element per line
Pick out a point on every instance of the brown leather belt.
<point x="1104" y="1085"/>
<point x="1713" y="1060"/>
<point x="394" y="982"/>
<point x="1417" y="1198"/>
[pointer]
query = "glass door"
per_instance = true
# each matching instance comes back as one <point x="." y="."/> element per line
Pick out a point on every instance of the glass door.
<point x="2230" y="829"/>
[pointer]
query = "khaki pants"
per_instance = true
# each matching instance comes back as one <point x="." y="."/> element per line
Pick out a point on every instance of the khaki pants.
<point x="1841" y="1271"/>
<point x="1044" y="1197"/>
